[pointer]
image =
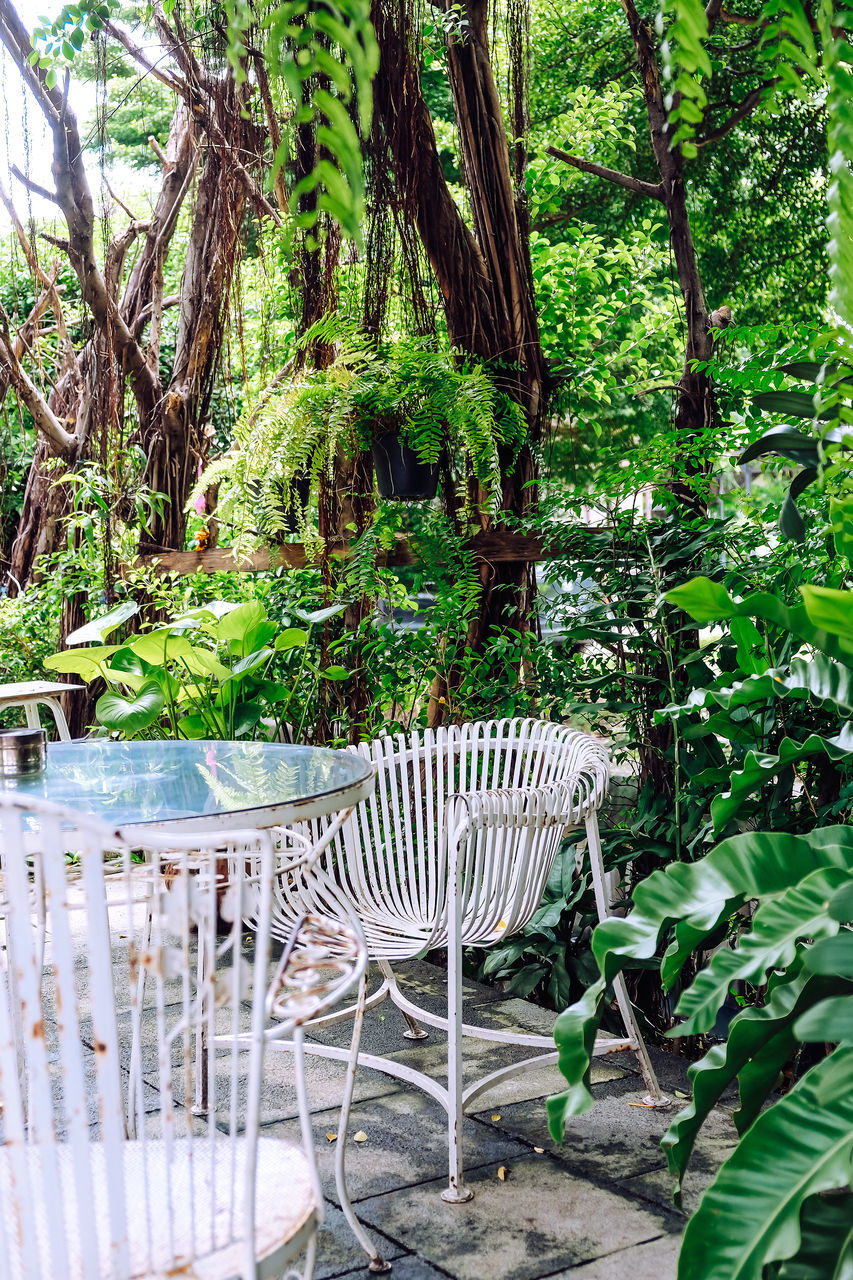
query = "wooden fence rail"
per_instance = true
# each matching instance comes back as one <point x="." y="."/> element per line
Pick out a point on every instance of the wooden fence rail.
<point x="493" y="547"/>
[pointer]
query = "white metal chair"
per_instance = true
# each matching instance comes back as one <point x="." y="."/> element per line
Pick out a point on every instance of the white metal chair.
<point x="210" y="1197"/>
<point x="454" y="849"/>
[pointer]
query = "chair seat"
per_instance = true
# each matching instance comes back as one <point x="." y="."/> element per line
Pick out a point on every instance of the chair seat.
<point x="202" y="1203"/>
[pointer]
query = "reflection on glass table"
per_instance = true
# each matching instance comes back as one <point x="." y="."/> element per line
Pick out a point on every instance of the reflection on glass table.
<point x="201" y="785"/>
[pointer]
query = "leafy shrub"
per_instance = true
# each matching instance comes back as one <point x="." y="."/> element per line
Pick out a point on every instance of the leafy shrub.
<point x="797" y="950"/>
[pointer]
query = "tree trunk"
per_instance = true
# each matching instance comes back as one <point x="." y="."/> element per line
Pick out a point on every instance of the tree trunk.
<point x="695" y="405"/>
<point x="485" y="278"/>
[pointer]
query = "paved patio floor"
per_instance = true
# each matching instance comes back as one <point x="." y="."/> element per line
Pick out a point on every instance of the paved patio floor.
<point x="596" y="1208"/>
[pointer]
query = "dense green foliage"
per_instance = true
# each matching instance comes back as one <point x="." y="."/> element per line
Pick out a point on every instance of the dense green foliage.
<point x="714" y="649"/>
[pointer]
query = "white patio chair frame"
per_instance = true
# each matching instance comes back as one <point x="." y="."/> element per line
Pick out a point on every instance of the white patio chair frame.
<point x="205" y="1196"/>
<point x="467" y="867"/>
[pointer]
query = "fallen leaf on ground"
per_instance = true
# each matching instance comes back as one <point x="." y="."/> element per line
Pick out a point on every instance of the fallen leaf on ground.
<point x="331" y="1137"/>
<point x="361" y="1136"/>
<point x="503" y="1173"/>
<point x="679" y="1094"/>
<point x="540" y="1151"/>
<point x="496" y="1116"/>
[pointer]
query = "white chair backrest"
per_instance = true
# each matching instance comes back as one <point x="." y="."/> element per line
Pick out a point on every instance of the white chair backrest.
<point x="392" y="852"/>
<point x="70" y="1180"/>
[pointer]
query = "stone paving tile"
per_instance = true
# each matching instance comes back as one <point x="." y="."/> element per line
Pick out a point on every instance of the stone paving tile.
<point x="406" y="1144"/>
<point x="656" y="1184"/>
<point x="408" y="1267"/>
<point x="614" y="1139"/>
<point x="537" y="1222"/>
<point x="654" y="1260"/>
<point x="339" y="1253"/>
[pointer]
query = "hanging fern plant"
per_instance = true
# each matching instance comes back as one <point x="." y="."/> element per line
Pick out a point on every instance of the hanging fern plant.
<point x="448" y="411"/>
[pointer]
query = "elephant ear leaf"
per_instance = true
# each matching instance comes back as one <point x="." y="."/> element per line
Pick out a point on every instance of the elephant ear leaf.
<point x="99" y="628"/>
<point x="751" y="1214"/>
<point x="131" y="715"/>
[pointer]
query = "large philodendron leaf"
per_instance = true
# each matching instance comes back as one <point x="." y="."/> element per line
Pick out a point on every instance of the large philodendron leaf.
<point x="826" y="1244"/>
<point x="86" y="663"/>
<point x="750" y="1215"/>
<point x="779" y="924"/>
<point x="830" y="610"/>
<point x="99" y="628"/>
<point x="246" y="628"/>
<point x="707" y="601"/>
<point x="131" y="715"/>
<point x="698" y="896"/>
<point x="759" y="1043"/>
<point x="760" y="767"/>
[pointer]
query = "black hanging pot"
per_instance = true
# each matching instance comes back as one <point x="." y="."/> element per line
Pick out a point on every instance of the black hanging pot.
<point x="399" y="471"/>
<point x="298" y="497"/>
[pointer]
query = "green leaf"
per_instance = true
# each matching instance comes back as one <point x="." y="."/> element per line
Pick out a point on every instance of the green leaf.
<point x="841" y="520"/>
<point x="99" y="628"/>
<point x="239" y="623"/>
<point x="291" y="638"/>
<point x="247" y="665"/>
<point x="81" y="662"/>
<point x="831" y="1020"/>
<point x="246" y="717"/>
<point x="750" y="1215"/>
<point x="826" y="1245"/>
<point x="760" y="1042"/>
<point x="197" y="726"/>
<point x="705" y="600"/>
<point x="131" y="715"/>
<point x="818" y="677"/>
<point x="335" y="673"/>
<point x="759" y="768"/>
<point x="699" y="897"/>
<point x="784" y="442"/>
<point x="797" y="404"/>
<point x="791" y="523"/>
<point x="779" y="923"/>
<point x="832" y="955"/>
<point x="321" y="615"/>
<point x="841" y="905"/>
<point x="829" y="609"/>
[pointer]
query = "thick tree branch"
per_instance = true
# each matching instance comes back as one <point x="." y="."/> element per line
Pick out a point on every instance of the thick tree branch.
<point x="198" y="95"/>
<point x="274" y="128"/>
<point x="28" y="331"/>
<point x="33" y="186"/>
<point x="612" y="175"/>
<point x="740" y="112"/>
<point x="713" y="9"/>
<point x="68" y="356"/>
<point x="118" y="33"/>
<point x="170" y="300"/>
<point x="158" y="150"/>
<point x="62" y="442"/>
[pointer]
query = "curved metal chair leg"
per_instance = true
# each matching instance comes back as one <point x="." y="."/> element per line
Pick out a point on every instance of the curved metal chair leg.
<point x="377" y="1263"/>
<point x="415" y="1030"/>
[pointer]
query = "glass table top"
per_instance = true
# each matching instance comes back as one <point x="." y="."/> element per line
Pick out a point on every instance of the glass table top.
<point x="202" y="785"/>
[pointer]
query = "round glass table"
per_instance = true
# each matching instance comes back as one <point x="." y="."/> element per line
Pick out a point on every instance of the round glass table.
<point x="202" y="786"/>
